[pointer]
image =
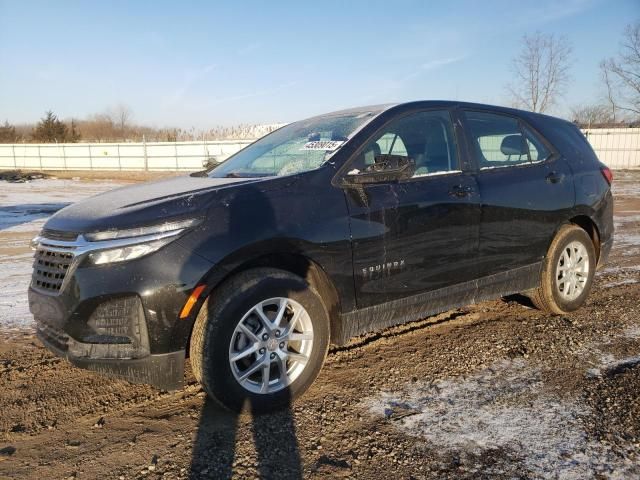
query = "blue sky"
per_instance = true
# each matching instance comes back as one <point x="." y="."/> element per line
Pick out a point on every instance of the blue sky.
<point x="202" y="64"/>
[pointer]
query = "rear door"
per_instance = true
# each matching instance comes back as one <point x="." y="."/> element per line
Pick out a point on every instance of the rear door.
<point x="526" y="189"/>
<point x="420" y="234"/>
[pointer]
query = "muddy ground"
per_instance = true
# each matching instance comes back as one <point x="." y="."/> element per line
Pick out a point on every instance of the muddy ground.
<point x="495" y="390"/>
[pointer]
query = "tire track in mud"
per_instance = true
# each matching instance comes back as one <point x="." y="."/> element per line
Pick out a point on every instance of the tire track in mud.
<point x="47" y="379"/>
<point x="28" y="383"/>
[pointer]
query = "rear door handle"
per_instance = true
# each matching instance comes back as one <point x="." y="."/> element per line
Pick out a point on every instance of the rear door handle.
<point x="460" y="191"/>
<point x="554" y="177"/>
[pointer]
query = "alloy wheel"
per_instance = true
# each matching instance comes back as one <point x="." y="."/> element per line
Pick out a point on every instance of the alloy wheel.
<point x="572" y="271"/>
<point x="271" y="345"/>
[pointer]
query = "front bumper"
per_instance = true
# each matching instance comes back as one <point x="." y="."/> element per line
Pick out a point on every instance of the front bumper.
<point x="122" y="319"/>
<point x="114" y="341"/>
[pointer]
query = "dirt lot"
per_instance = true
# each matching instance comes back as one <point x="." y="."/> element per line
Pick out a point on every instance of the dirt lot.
<point x="496" y="390"/>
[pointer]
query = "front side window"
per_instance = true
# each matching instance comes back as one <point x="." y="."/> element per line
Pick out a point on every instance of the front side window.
<point x="295" y="148"/>
<point x="424" y="137"/>
<point x="501" y="141"/>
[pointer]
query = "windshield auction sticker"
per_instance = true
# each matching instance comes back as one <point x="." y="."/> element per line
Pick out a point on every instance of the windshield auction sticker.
<point x="326" y="145"/>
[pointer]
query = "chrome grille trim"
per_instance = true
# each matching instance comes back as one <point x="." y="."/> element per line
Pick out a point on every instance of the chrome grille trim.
<point x="69" y="253"/>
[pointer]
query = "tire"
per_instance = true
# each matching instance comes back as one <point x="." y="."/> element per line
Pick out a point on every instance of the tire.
<point x="217" y="337"/>
<point x="555" y="295"/>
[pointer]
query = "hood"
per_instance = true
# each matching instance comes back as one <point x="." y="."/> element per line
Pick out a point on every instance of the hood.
<point x="142" y="204"/>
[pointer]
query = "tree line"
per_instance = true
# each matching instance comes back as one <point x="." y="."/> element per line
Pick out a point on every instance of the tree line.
<point x="116" y="125"/>
<point x="541" y="76"/>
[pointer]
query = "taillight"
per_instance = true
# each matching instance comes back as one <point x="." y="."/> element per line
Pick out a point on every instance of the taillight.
<point x="607" y="174"/>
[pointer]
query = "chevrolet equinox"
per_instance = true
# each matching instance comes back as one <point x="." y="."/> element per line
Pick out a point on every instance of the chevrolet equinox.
<point x="325" y="229"/>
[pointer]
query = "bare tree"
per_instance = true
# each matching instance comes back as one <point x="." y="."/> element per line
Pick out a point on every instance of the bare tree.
<point x="121" y="116"/>
<point x="623" y="71"/>
<point x="589" y="115"/>
<point x="608" y="83"/>
<point x="541" y="71"/>
<point x="8" y="133"/>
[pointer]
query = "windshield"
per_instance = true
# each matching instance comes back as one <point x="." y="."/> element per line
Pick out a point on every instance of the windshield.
<point x="294" y="148"/>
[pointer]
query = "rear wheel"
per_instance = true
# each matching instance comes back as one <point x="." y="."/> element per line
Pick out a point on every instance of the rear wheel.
<point x="260" y="339"/>
<point x="567" y="273"/>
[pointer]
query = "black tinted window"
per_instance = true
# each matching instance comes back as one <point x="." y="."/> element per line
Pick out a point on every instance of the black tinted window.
<point x="498" y="139"/>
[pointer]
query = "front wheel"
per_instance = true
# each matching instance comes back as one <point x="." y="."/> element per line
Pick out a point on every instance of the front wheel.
<point x="567" y="273"/>
<point x="260" y="340"/>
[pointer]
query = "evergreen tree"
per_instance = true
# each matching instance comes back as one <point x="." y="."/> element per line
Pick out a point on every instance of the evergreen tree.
<point x="50" y="129"/>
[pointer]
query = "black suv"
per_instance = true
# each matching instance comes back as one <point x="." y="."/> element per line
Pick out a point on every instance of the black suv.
<point x="325" y="229"/>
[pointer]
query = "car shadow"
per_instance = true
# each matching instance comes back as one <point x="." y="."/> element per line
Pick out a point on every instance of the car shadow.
<point x="13" y="215"/>
<point x="221" y="450"/>
<point x="519" y="299"/>
<point x="249" y="444"/>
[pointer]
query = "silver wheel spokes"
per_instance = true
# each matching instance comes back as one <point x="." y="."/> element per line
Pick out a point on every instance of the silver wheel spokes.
<point x="271" y="345"/>
<point x="572" y="270"/>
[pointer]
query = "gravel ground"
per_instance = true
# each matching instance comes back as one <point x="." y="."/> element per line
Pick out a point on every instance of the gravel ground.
<point x="495" y="390"/>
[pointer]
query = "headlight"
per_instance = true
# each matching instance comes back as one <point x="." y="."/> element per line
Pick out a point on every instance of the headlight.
<point x="142" y="231"/>
<point x="121" y="245"/>
<point x="127" y="253"/>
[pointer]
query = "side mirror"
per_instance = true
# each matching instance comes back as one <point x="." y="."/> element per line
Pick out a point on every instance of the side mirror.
<point x="210" y="163"/>
<point x="386" y="168"/>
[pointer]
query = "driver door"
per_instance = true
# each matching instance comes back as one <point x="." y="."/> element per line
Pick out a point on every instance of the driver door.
<point x="420" y="234"/>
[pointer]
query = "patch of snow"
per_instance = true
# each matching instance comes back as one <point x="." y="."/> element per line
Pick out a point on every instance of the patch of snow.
<point x="506" y="407"/>
<point x="23" y="217"/>
<point x="632" y="331"/>
<point x="608" y="362"/>
<point x="625" y="185"/>
<point x="44" y="191"/>
<point x="622" y="363"/>
<point x="626" y="281"/>
<point x="14" y="281"/>
<point x="618" y="270"/>
<point x="620" y="221"/>
<point x="24" y="208"/>
<point x="632" y="238"/>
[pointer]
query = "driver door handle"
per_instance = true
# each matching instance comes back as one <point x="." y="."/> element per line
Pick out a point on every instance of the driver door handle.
<point x="461" y="191"/>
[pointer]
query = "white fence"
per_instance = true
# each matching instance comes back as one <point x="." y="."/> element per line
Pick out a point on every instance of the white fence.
<point x="116" y="156"/>
<point x="619" y="148"/>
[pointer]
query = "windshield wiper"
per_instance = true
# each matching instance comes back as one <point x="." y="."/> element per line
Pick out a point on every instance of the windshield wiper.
<point x="248" y="175"/>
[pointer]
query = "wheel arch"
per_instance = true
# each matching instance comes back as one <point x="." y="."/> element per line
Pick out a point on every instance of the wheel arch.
<point x="588" y="225"/>
<point x="296" y="263"/>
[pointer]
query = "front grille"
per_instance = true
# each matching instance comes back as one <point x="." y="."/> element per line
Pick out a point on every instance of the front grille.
<point x="50" y="269"/>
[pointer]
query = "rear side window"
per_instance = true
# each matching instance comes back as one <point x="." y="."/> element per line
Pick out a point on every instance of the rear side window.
<point x="501" y="141"/>
<point x="538" y="152"/>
